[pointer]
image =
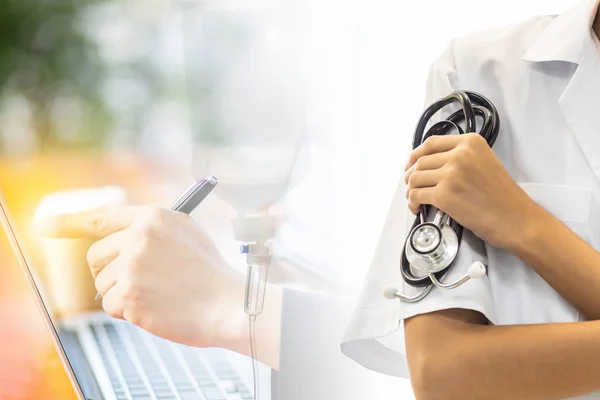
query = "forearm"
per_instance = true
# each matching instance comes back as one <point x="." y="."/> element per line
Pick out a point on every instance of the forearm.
<point x="505" y="362"/>
<point x="562" y="259"/>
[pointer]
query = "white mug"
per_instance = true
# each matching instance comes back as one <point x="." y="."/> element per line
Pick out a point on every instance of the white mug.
<point x="67" y="276"/>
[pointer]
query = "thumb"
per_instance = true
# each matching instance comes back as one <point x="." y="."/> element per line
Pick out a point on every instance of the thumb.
<point x="97" y="223"/>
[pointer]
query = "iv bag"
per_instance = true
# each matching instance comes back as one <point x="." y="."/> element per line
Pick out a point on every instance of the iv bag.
<point x="251" y="179"/>
<point x="245" y="82"/>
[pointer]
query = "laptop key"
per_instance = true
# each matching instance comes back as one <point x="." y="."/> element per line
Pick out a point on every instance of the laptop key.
<point x="161" y="386"/>
<point x="213" y="393"/>
<point x="138" y="391"/>
<point x="136" y="385"/>
<point x="190" y="396"/>
<point x="241" y="387"/>
<point x="205" y="381"/>
<point x="229" y="387"/>
<point x="186" y="389"/>
<point x="164" y="393"/>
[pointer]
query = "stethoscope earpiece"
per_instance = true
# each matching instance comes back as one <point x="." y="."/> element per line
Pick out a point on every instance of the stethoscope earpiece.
<point x="393" y="293"/>
<point x="390" y="293"/>
<point x="476" y="270"/>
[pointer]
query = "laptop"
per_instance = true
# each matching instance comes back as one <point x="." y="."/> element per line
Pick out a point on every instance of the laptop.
<point x="99" y="357"/>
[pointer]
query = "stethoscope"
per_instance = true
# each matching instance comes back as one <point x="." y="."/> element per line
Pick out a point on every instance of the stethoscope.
<point x="432" y="246"/>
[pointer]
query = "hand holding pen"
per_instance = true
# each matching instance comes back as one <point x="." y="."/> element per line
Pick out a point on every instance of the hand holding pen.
<point x="191" y="198"/>
<point x="160" y="270"/>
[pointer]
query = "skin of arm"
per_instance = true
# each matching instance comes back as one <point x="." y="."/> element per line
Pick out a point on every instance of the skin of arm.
<point x="268" y="328"/>
<point x="453" y="355"/>
<point x="564" y="260"/>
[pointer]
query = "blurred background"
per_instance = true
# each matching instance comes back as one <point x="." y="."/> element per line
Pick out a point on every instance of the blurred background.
<point x="133" y="93"/>
<point x="105" y="81"/>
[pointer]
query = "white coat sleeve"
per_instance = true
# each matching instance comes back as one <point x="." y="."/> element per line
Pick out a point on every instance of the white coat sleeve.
<point x="375" y="335"/>
<point x="311" y="365"/>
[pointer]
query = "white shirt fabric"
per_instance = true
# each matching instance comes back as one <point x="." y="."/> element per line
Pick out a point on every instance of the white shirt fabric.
<point x="543" y="75"/>
<point x="311" y="366"/>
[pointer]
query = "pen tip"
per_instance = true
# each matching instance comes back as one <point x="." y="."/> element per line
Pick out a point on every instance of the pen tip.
<point x="213" y="180"/>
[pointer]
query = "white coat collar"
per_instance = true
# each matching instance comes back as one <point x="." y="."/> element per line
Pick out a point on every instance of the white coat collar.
<point x="564" y="38"/>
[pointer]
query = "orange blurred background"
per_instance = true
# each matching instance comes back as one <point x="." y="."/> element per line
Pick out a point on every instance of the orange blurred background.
<point x="93" y="94"/>
<point x="30" y="366"/>
<point x="75" y="113"/>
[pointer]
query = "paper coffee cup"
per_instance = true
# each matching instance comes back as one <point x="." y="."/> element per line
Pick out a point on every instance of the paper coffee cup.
<point x="68" y="279"/>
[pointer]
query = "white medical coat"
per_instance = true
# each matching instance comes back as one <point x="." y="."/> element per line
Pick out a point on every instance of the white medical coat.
<point x="543" y="75"/>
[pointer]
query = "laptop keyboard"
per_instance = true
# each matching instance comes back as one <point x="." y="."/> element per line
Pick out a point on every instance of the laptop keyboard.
<point x="141" y="366"/>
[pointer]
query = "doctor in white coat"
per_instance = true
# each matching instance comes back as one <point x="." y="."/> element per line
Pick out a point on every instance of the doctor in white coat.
<point x="529" y="329"/>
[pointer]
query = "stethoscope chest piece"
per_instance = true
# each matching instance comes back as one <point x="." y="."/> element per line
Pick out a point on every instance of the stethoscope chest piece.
<point x="430" y="249"/>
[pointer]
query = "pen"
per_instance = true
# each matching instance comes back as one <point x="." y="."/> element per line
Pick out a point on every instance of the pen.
<point x="194" y="195"/>
<point x="191" y="198"/>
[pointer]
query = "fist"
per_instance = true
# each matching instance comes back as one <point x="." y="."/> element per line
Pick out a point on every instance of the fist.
<point x="460" y="175"/>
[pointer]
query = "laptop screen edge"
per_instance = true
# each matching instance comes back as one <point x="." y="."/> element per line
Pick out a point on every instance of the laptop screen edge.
<point x="9" y="231"/>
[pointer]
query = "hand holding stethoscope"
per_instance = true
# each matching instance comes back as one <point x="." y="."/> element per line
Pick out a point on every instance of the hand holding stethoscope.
<point x="461" y="175"/>
<point x="454" y="177"/>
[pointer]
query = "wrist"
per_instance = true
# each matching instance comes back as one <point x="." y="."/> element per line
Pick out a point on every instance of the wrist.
<point x="231" y="323"/>
<point x="530" y="228"/>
